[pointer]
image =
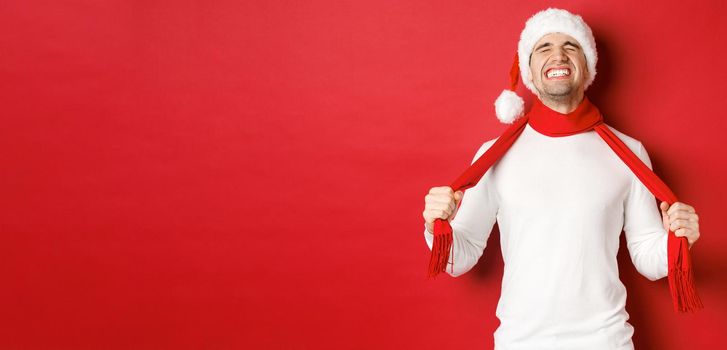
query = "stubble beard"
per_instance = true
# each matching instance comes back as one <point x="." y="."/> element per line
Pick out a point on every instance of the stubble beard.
<point x="558" y="93"/>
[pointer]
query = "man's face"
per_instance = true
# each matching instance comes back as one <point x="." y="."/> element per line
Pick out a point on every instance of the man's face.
<point x="558" y="67"/>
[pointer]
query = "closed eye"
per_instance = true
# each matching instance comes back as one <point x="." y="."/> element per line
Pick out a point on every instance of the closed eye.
<point x="543" y="47"/>
<point x="571" y="45"/>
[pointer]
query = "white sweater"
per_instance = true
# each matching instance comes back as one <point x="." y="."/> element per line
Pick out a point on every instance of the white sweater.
<point x="561" y="203"/>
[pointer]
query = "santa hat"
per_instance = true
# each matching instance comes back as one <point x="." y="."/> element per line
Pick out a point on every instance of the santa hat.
<point x="509" y="106"/>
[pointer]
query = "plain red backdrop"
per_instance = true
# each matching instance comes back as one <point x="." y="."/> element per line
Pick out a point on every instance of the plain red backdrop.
<point x="250" y="174"/>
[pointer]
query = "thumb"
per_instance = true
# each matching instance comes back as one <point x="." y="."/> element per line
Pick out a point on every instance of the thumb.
<point x="458" y="196"/>
<point x="664" y="206"/>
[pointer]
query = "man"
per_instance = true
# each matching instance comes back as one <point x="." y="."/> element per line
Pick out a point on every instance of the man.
<point x="561" y="203"/>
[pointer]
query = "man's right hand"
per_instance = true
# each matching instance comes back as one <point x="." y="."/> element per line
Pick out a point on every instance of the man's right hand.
<point x="440" y="203"/>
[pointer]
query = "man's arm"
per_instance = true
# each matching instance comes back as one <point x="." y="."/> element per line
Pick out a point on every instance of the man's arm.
<point x="645" y="234"/>
<point x="472" y="222"/>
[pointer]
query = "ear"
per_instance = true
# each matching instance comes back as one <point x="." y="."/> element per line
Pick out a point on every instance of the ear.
<point x="587" y="73"/>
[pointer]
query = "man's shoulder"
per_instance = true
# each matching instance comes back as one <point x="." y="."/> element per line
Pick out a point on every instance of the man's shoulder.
<point x="485" y="146"/>
<point x="631" y="142"/>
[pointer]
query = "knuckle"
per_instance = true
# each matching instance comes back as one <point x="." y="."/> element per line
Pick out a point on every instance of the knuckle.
<point x="435" y="190"/>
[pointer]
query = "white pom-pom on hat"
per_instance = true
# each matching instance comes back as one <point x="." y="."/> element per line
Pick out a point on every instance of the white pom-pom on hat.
<point x="509" y="106"/>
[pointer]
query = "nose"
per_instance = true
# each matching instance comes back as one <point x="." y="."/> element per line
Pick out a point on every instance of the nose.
<point x="559" y="55"/>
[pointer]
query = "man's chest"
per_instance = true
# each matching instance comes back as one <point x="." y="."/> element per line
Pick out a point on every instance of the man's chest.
<point x="573" y="174"/>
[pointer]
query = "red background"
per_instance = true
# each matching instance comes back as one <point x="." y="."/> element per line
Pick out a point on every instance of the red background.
<point x="191" y="174"/>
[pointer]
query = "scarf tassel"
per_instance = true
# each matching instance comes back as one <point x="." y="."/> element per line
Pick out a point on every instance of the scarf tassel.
<point x="681" y="279"/>
<point x="441" y="246"/>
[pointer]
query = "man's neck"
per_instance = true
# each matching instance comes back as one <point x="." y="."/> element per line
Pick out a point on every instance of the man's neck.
<point x="564" y="106"/>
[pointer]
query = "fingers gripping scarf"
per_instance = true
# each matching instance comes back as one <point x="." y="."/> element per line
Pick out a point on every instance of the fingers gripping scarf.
<point x="584" y="118"/>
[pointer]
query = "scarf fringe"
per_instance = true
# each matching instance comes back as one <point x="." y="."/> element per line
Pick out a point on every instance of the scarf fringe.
<point x="683" y="294"/>
<point x="441" y="246"/>
<point x="681" y="280"/>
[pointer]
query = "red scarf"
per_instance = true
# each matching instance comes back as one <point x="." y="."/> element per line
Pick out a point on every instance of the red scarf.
<point x="584" y="118"/>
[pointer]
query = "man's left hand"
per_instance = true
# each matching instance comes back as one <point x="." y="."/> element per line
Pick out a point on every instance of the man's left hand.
<point x="681" y="219"/>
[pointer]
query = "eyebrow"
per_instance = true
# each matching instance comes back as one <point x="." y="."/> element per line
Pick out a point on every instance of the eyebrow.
<point x="550" y="44"/>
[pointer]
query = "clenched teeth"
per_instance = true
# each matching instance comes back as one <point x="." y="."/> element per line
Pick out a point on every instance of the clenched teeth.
<point x="558" y="73"/>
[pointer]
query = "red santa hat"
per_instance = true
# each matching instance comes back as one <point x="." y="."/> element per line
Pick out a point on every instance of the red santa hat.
<point x="509" y="106"/>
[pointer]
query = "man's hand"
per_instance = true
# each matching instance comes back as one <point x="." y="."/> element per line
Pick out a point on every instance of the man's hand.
<point x="440" y="203"/>
<point x="682" y="219"/>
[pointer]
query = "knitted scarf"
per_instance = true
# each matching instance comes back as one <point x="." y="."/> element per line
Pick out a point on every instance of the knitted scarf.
<point x="584" y="118"/>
